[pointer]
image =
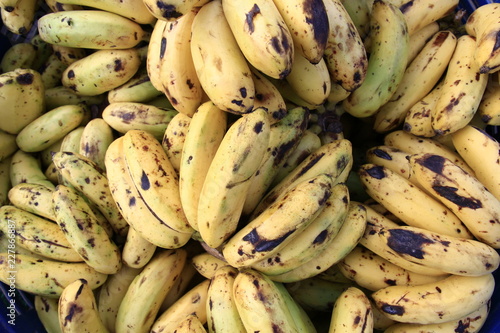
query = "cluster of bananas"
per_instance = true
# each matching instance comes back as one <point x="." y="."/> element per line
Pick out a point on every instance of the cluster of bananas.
<point x="189" y="166"/>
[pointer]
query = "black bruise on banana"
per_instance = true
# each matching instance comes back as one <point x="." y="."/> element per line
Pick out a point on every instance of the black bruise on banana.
<point x="382" y="154"/>
<point x="393" y="309"/>
<point x="407" y="242"/>
<point x="25" y="79"/>
<point x="262" y="244"/>
<point x="168" y="11"/>
<point x="375" y="172"/>
<point x="316" y="9"/>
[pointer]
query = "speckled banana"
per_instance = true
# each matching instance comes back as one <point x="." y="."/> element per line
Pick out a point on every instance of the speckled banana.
<point x="137" y="251"/>
<point x="408" y="202"/>
<point x="222" y="314"/>
<point x="488" y="108"/>
<point x="352" y="312"/>
<point x="300" y="317"/>
<point x="101" y="71"/>
<point x="22" y="99"/>
<point x="26" y="168"/>
<point x="437" y="302"/>
<point x="61" y="95"/>
<point x="190" y="324"/>
<point x="20" y="18"/>
<point x="138" y="89"/>
<point x="421" y="75"/>
<point x="480" y="151"/>
<point x="376" y="216"/>
<point x="261" y="305"/>
<point x="5" y="184"/>
<point x="483" y="24"/>
<point x="111" y="293"/>
<point x="346" y="239"/>
<point x="185" y="280"/>
<point x="283" y="139"/>
<point x="462" y="193"/>
<point x="51" y="71"/>
<point x="79" y="295"/>
<point x="370" y="271"/>
<point x="174" y="138"/>
<point x="420" y="37"/>
<point x="229" y="84"/>
<point x="170" y="10"/>
<point x="345" y="54"/>
<point x="99" y="29"/>
<point x="268" y="97"/>
<point x="153" y="55"/>
<point x="47" y="310"/>
<point x="20" y="55"/>
<point x="50" y="127"/>
<point x="8" y="145"/>
<point x="419" y="13"/>
<point x="462" y="89"/>
<point x="472" y="321"/>
<point x="90" y="180"/>
<point x="207" y="264"/>
<point x="33" y="198"/>
<point x="125" y="116"/>
<point x="359" y="11"/>
<point x="97" y="135"/>
<point x="177" y="71"/>
<point x="387" y="61"/>
<point x="46" y="277"/>
<point x="329" y="159"/>
<point x="59" y="7"/>
<point x="313" y="239"/>
<point x="229" y="176"/>
<point x="391" y="158"/>
<point x="262" y="35"/>
<point x="142" y="301"/>
<point x="192" y="302"/>
<point x="155" y="178"/>
<point x="37" y="234"/>
<point x="278" y="225"/>
<point x="68" y="55"/>
<point x="83" y="231"/>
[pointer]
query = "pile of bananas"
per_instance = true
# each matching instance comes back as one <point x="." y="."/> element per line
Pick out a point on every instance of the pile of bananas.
<point x="251" y="166"/>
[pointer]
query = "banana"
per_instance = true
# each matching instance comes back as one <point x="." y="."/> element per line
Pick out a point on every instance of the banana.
<point x="170" y="10"/>
<point x="137" y="251"/>
<point x="20" y="18"/>
<point x="111" y="293"/>
<point x="174" y="138"/>
<point x="68" y="55"/>
<point x="483" y="24"/>
<point x="190" y="324"/>
<point x="378" y="216"/>
<point x="412" y="205"/>
<point x="47" y="310"/>
<point x="283" y="139"/>
<point x="268" y="97"/>
<point x="185" y="280"/>
<point x="478" y="149"/>
<point x="56" y="6"/>
<point x="334" y="274"/>
<point x="437" y="302"/>
<point x="352" y="312"/>
<point x="21" y="99"/>
<point x="488" y="107"/>
<point x="222" y="314"/>
<point x="207" y="264"/>
<point x="342" y="244"/>
<point x="289" y="95"/>
<point x="46" y="277"/>
<point x="300" y="317"/>
<point x="419" y="13"/>
<point x="229" y="175"/>
<point x="471" y="322"/>
<point x="26" y="168"/>
<point x="313" y="239"/>
<point x="359" y="12"/>
<point x="61" y="95"/>
<point x="387" y="61"/>
<point x="420" y="37"/>
<point x="421" y="75"/>
<point x="292" y="212"/>
<point x="193" y="302"/>
<point x="138" y="89"/>
<point x="125" y="116"/>
<point x="33" y="198"/>
<point x="50" y="127"/>
<point x="101" y="71"/>
<point x="179" y="79"/>
<point x="51" y="71"/>
<point x="83" y="232"/>
<point x="90" y="29"/>
<point x="96" y="137"/>
<point x="132" y="206"/>
<point x="462" y="193"/>
<point x="8" y="145"/>
<point x="142" y="301"/>
<point x="413" y="144"/>
<point x="262" y="35"/>
<point x="260" y="304"/>
<point x="462" y="90"/>
<point x="331" y="159"/>
<point x="153" y="55"/>
<point x="5" y="184"/>
<point x="391" y="158"/>
<point x="372" y="272"/>
<point x="20" y="55"/>
<point x="223" y="72"/>
<point x="37" y="234"/>
<point x="345" y="54"/>
<point x="77" y="309"/>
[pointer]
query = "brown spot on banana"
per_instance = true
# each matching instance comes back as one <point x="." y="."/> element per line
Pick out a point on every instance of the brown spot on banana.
<point x="249" y="17"/>
<point x="407" y="242"/>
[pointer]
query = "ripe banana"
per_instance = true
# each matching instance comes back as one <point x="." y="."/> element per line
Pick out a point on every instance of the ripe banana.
<point x="137" y="251"/>
<point x="26" y="168"/>
<point x="391" y="158"/>
<point x="20" y="55"/>
<point x="90" y="29"/>
<point x="154" y="53"/>
<point x="51" y="71"/>
<point x="47" y="311"/>
<point x="61" y="95"/>
<point x="301" y="318"/>
<point x="174" y="138"/>
<point x="20" y="18"/>
<point x="67" y="55"/>
<point x="207" y="264"/>
<point x="488" y="107"/>
<point x="352" y="312"/>
<point x="462" y="193"/>
<point x="268" y="97"/>
<point x="421" y="75"/>
<point x="138" y="89"/>
<point x="262" y="35"/>
<point x="5" y="184"/>
<point x="46" y="277"/>
<point x="419" y="13"/>
<point x="190" y="324"/>
<point x="420" y="37"/>
<point x="185" y="280"/>
<point x="387" y="61"/>
<point x="96" y="137"/>
<point x="229" y="176"/>
<point x="8" y="145"/>
<point x="33" y="198"/>
<point x="292" y="212"/>
<point x="223" y="72"/>
<point x="449" y="299"/>
<point x="77" y="309"/>
<point x="170" y="10"/>
<point x="345" y="54"/>
<point x="142" y="301"/>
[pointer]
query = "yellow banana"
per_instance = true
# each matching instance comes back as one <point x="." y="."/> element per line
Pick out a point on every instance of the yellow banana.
<point x="229" y="176"/>
<point x="301" y="318"/>
<point x="90" y="29"/>
<point x="352" y="312"/>
<point x="33" y="198"/>
<point x="68" y="55"/>
<point x="419" y="13"/>
<point x="207" y="264"/>
<point x="488" y="107"/>
<point x="190" y="324"/>
<point x="5" y="184"/>
<point x="420" y="37"/>
<point x="268" y="97"/>
<point x="153" y="55"/>
<point x="61" y="95"/>
<point x="185" y="280"/>
<point x="391" y="158"/>
<point x="20" y="55"/>
<point x="51" y="71"/>
<point x="437" y="302"/>
<point x="174" y="138"/>
<point x="170" y="10"/>
<point x="360" y="12"/>
<point x="26" y="168"/>
<point x="138" y="89"/>
<point x="20" y="18"/>
<point x="8" y="145"/>
<point x="79" y="295"/>
<point x="137" y="251"/>
<point x="47" y="309"/>
<point x="96" y="137"/>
